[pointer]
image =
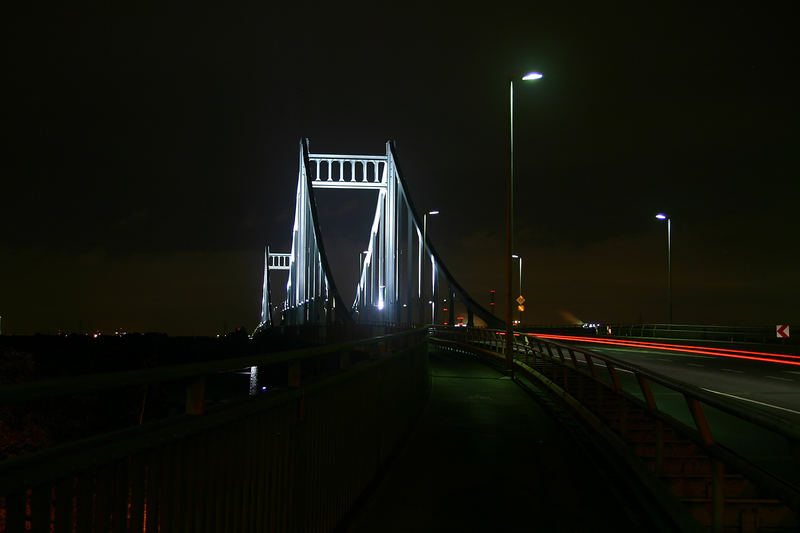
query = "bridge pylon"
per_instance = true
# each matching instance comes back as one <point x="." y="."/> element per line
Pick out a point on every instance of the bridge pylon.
<point x="391" y="288"/>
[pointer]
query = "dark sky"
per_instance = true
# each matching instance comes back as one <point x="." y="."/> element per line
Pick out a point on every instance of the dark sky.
<point x="150" y="152"/>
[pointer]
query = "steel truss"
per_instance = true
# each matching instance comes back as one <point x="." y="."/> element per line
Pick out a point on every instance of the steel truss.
<point x="390" y="288"/>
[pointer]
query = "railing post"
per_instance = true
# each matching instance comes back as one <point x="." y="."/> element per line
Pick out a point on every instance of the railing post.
<point x="651" y="404"/>
<point x="574" y="359"/>
<point x="717" y="468"/>
<point x="564" y="379"/>
<point x="578" y="377"/>
<point x="195" y="394"/>
<point x="612" y="372"/>
<point x="560" y="353"/>
<point x="590" y="364"/>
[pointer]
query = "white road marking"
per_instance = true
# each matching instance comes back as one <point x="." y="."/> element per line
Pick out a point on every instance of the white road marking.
<point x="753" y="401"/>
<point x="645" y="352"/>
<point x="732" y="370"/>
<point x="782" y="379"/>
<point x="694" y="364"/>
<point x="791" y="372"/>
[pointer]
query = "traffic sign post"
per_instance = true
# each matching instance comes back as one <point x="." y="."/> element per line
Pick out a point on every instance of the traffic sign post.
<point x="520" y="307"/>
<point x="782" y="331"/>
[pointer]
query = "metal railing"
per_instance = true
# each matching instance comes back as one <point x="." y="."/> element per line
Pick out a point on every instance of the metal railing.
<point x="728" y="462"/>
<point x="712" y="333"/>
<point x="295" y="458"/>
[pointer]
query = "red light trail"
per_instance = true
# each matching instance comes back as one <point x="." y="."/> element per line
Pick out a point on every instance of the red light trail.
<point x="718" y="352"/>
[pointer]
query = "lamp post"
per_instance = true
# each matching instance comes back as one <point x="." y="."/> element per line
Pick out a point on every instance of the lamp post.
<point x="515" y="256"/>
<point x="662" y="216"/>
<point x="362" y="288"/>
<point x="422" y="261"/>
<point x="510" y="216"/>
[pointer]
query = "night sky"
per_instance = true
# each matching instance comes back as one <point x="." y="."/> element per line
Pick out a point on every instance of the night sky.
<point x="150" y="153"/>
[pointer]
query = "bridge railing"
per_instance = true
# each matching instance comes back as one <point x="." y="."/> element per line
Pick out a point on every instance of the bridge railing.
<point x="703" y="332"/>
<point x="295" y="458"/>
<point x="733" y="437"/>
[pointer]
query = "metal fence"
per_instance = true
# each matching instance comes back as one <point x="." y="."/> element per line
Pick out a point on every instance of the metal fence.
<point x="712" y="333"/>
<point x="733" y="467"/>
<point x="295" y="458"/>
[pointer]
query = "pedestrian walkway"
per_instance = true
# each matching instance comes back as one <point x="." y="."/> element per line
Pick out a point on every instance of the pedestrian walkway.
<point x="486" y="456"/>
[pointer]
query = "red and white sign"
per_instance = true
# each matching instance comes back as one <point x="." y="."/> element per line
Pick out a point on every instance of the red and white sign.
<point x="782" y="331"/>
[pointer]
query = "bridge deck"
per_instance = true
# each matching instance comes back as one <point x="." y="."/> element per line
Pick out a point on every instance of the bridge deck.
<point x="486" y="456"/>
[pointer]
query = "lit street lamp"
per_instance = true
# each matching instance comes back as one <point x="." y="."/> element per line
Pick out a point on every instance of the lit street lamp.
<point x="662" y="216"/>
<point x="510" y="216"/>
<point x="422" y="261"/>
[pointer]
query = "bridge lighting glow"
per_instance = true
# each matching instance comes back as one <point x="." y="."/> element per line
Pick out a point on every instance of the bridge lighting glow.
<point x="532" y="76"/>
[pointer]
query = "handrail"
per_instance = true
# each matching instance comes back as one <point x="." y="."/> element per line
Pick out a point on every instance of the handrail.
<point x="752" y="414"/>
<point x="772" y="479"/>
<point x="127" y="440"/>
<point x="21" y="392"/>
<point x="694" y="326"/>
<point x="709" y="333"/>
<point x="262" y="461"/>
<point x="731" y="406"/>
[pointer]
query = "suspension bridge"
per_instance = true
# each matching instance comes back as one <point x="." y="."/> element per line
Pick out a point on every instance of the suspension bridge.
<point x="403" y="280"/>
<point x="363" y="423"/>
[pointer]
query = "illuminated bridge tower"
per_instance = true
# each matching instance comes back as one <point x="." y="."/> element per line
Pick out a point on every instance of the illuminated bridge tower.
<point x="402" y="279"/>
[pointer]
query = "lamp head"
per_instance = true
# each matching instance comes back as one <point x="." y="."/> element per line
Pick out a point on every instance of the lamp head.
<point x="532" y="76"/>
<point x="661" y="216"/>
<point x="433" y="212"/>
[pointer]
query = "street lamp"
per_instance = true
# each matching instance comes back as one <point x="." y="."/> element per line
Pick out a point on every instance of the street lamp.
<point x="421" y="261"/>
<point x="362" y="288"/>
<point x="662" y="216"/>
<point x="510" y="215"/>
<point x="519" y="307"/>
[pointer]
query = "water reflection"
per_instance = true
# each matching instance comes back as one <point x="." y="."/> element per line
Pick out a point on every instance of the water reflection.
<point x="253" y="380"/>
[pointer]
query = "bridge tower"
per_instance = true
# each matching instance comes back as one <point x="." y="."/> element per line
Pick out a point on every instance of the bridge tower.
<point x="392" y="287"/>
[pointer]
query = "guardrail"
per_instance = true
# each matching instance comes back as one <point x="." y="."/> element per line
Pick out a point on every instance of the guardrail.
<point x="714" y="333"/>
<point x="731" y="465"/>
<point x="295" y="458"/>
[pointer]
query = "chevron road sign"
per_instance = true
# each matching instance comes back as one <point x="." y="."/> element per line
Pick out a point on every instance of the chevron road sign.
<point x="782" y="331"/>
